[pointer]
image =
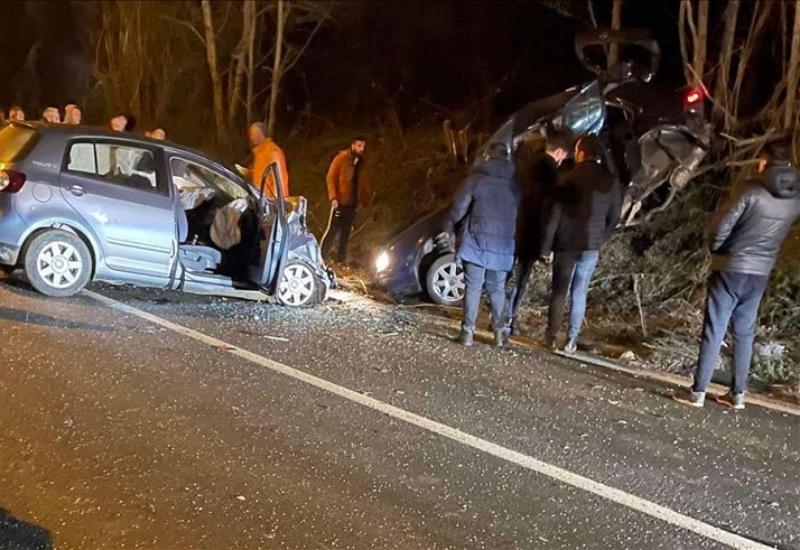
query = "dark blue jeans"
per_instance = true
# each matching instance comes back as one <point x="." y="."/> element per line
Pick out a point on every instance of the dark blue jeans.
<point x="733" y="298"/>
<point x="475" y="278"/>
<point x="572" y="273"/>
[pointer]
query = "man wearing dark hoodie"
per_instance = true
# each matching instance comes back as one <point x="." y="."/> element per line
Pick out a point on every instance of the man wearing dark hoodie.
<point x="584" y="213"/>
<point x="746" y="235"/>
<point x="485" y="210"/>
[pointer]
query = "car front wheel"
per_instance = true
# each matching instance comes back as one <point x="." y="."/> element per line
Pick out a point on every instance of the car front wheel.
<point x="58" y="263"/>
<point x="444" y="281"/>
<point x="299" y="286"/>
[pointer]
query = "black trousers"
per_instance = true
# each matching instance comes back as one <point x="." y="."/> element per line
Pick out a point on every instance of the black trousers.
<point x="339" y="225"/>
<point x="517" y="291"/>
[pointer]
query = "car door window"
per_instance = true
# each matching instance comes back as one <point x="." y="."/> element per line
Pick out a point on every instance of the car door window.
<point x="585" y="113"/>
<point x="118" y="164"/>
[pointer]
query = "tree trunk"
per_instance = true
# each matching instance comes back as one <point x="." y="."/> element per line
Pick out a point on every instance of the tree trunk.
<point x="721" y="94"/>
<point x="277" y="68"/>
<point x="213" y="69"/>
<point x="251" y="61"/>
<point x="234" y="98"/>
<point x="616" y="24"/>
<point x="682" y="17"/>
<point x="701" y="40"/>
<point x="792" y="76"/>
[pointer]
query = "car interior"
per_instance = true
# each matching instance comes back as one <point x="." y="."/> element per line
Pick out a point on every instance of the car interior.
<point x="217" y="221"/>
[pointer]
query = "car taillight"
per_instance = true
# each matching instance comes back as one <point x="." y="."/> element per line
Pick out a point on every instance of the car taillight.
<point x="693" y="98"/>
<point x="11" y="181"/>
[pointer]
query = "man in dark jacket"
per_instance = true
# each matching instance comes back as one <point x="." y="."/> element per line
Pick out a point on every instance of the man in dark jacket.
<point x="485" y="209"/>
<point x="746" y="236"/>
<point x="538" y="180"/>
<point x="344" y="191"/>
<point x="584" y="214"/>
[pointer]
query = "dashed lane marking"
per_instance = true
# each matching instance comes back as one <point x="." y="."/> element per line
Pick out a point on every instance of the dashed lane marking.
<point x="554" y="472"/>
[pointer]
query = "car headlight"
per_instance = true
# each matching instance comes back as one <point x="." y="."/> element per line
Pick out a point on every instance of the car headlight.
<point x="382" y="261"/>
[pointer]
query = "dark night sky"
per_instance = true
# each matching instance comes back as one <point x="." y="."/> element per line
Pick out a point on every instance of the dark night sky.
<point x="447" y="53"/>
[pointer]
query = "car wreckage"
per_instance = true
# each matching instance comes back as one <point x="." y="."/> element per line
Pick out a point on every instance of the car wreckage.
<point x="79" y="204"/>
<point x="653" y="144"/>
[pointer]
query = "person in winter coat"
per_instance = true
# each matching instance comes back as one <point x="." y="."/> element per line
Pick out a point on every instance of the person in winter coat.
<point x="265" y="152"/>
<point x="345" y="191"/>
<point x="485" y="210"/>
<point x="583" y="216"/>
<point x="746" y="235"/>
<point x="539" y="181"/>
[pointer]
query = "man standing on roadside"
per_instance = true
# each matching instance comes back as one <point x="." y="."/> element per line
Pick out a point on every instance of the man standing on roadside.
<point x="485" y="212"/>
<point x="16" y="113"/>
<point x="585" y="212"/>
<point x="51" y="115"/>
<point x="746" y="236"/>
<point x="344" y="191"/>
<point x="72" y="114"/>
<point x="538" y="185"/>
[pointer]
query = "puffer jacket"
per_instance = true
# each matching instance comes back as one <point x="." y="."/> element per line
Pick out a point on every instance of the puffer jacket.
<point x="485" y="209"/>
<point x="749" y="229"/>
<point x="585" y="210"/>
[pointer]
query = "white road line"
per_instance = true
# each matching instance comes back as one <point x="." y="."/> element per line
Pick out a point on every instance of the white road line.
<point x="559" y="474"/>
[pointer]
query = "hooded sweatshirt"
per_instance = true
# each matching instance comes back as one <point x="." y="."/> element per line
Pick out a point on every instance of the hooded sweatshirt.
<point x="485" y="209"/>
<point x="749" y="229"/>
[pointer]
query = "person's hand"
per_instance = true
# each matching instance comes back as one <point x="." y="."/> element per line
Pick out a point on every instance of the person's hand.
<point x="334" y="204"/>
<point x="244" y="172"/>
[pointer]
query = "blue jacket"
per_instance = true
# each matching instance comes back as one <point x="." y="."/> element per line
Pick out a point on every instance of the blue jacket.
<point x="485" y="208"/>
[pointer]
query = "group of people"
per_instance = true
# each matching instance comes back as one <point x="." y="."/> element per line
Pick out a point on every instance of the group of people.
<point x="562" y="213"/>
<point x="50" y="114"/>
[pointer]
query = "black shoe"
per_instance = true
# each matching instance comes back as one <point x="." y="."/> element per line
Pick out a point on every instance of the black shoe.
<point x="550" y="343"/>
<point x="465" y="338"/>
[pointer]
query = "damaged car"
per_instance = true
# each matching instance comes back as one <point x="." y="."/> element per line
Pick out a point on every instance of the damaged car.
<point x="653" y="142"/>
<point x="80" y="204"/>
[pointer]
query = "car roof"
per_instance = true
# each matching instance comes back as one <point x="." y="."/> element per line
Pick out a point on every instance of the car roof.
<point x="67" y="131"/>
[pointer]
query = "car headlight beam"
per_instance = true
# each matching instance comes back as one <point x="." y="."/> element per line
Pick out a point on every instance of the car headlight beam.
<point x="382" y="261"/>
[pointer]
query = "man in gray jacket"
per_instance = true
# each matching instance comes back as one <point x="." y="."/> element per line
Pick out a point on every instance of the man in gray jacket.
<point x="746" y="236"/>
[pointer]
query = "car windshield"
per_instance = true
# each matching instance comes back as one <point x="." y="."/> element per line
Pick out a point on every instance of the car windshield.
<point x="187" y="175"/>
<point x="14" y="141"/>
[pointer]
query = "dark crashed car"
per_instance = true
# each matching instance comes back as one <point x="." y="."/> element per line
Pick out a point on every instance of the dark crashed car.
<point x="654" y="142"/>
<point x="79" y="204"/>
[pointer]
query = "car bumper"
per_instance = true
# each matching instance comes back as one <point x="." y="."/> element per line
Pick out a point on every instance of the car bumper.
<point x="400" y="280"/>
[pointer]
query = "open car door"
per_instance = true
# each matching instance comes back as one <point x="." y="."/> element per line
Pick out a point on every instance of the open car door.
<point x="272" y="250"/>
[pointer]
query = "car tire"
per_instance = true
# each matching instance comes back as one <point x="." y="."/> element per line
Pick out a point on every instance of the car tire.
<point x="444" y="281"/>
<point x="300" y="286"/>
<point x="58" y="263"/>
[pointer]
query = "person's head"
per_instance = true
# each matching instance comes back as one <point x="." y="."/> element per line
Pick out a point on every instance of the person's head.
<point x="257" y="134"/>
<point x="358" y="146"/>
<point x="156" y="133"/>
<point x="558" y="145"/>
<point x="587" y="149"/>
<point x="118" y="123"/>
<point x="130" y="124"/>
<point x="16" y="113"/>
<point x="51" y="115"/>
<point x="775" y="153"/>
<point x="72" y="114"/>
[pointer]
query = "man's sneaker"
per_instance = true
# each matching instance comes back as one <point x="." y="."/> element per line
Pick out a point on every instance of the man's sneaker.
<point x="572" y="345"/>
<point x="732" y="400"/>
<point x="500" y="338"/>
<point x="688" y="397"/>
<point x="465" y="337"/>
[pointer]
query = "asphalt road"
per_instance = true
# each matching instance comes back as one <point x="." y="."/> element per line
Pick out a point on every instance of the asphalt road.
<point x="118" y="432"/>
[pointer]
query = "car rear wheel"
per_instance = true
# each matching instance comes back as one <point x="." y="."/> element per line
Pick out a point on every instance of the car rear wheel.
<point x="58" y="263"/>
<point x="444" y="281"/>
<point x="299" y="285"/>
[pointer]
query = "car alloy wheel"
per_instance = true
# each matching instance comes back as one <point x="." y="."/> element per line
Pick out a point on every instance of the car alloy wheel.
<point x="298" y="285"/>
<point x="59" y="265"/>
<point x="448" y="283"/>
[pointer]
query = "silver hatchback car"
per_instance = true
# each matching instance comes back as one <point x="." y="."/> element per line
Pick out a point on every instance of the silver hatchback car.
<point x="79" y="204"/>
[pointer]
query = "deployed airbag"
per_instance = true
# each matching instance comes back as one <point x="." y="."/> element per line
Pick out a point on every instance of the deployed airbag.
<point x="225" y="231"/>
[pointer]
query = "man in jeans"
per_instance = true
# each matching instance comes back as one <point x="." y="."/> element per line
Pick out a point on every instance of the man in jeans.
<point x="485" y="209"/>
<point x="345" y="190"/>
<point x="583" y="216"/>
<point x="746" y="236"/>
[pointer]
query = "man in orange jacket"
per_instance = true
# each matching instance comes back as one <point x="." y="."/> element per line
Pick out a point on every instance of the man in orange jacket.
<point x="344" y="194"/>
<point x="265" y="152"/>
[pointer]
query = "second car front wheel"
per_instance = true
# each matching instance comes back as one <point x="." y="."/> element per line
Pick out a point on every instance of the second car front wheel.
<point x="444" y="281"/>
<point x="58" y="263"/>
